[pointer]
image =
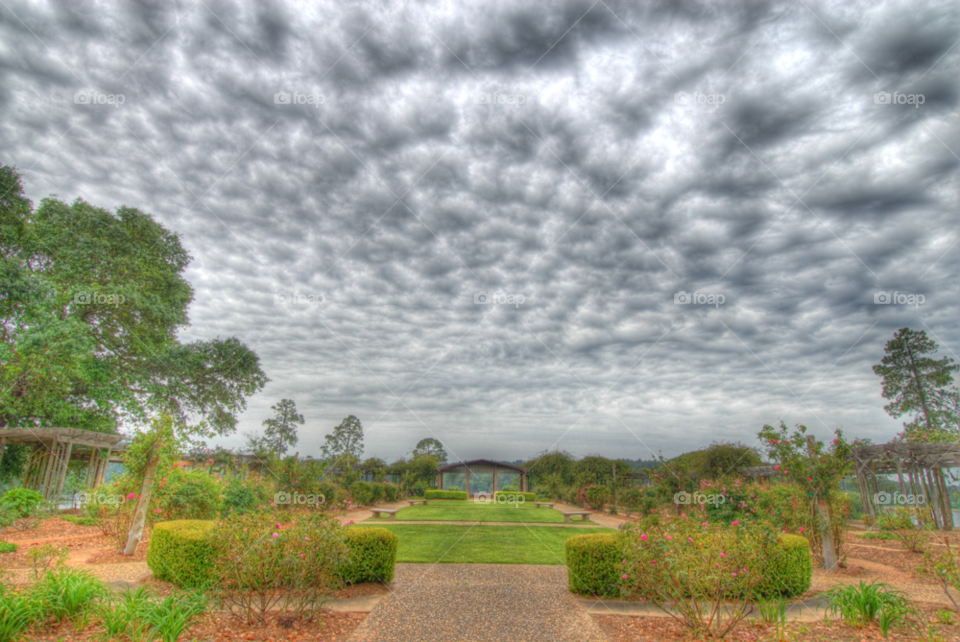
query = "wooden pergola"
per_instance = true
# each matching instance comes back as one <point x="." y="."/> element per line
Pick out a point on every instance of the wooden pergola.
<point x="919" y="471"/>
<point x="481" y="469"/>
<point x="53" y="448"/>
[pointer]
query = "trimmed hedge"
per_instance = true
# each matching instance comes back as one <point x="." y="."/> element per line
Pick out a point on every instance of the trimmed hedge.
<point x="791" y="572"/>
<point x="592" y="566"/>
<point x="373" y="555"/>
<point x="180" y="553"/>
<point x="445" y="494"/>
<point x="527" y="497"/>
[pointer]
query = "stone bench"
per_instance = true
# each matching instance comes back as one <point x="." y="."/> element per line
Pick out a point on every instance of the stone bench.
<point x="377" y="512"/>
<point x="569" y="515"/>
<point x="414" y="502"/>
<point x="547" y="504"/>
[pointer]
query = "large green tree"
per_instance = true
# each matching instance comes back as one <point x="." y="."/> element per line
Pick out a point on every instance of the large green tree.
<point x="431" y="447"/>
<point x="920" y="386"/>
<point x="346" y="441"/>
<point x="281" y="429"/>
<point x="90" y="305"/>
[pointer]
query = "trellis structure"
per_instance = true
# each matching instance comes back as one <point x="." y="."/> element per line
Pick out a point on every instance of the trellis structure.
<point x="488" y="476"/>
<point x="53" y="448"/>
<point x="919" y="471"/>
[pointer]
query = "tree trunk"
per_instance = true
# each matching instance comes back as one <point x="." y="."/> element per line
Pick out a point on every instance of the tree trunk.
<point x="826" y="535"/>
<point x="140" y="517"/>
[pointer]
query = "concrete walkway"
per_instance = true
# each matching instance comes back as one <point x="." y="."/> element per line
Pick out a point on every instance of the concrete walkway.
<point x="478" y="602"/>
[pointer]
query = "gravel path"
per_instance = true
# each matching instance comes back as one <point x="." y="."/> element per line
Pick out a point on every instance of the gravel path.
<point x="478" y="602"/>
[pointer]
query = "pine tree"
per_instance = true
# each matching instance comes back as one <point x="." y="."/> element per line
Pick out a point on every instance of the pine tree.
<point x="281" y="431"/>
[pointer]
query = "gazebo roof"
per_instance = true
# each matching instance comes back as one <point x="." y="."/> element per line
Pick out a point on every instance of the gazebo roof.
<point x="23" y="436"/>
<point x="487" y="462"/>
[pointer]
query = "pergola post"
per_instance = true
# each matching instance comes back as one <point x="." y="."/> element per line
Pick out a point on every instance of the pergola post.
<point x="48" y="471"/>
<point x="68" y="448"/>
<point x="495" y="469"/>
<point x="467" y="484"/>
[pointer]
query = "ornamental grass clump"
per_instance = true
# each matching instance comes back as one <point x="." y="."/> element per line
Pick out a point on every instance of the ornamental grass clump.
<point x="264" y="566"/>
<point x="701" y="574"/>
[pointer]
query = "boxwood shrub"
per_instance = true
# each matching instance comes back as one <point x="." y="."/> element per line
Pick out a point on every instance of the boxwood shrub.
<point x="592" y="566"/>
<point x="445" y="494"/>
<point x="180" y="553"/>
<point x="527" y="497"/>
<point x="373" y="555"/>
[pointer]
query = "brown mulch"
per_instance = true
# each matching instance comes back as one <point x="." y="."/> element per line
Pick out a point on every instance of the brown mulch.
<point x="221" y="627"/>
<point x="886" y="552"/>
<point x="76" y="538"/>
<point x="359" y="590"/>
<point x="618" y="627"/>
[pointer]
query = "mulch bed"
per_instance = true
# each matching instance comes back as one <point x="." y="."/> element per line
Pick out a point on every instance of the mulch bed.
<point x="217" y="627"/>
<point x="359" y="590"/>
<point x="61" y="533"/>
<point x="618" y="627"/>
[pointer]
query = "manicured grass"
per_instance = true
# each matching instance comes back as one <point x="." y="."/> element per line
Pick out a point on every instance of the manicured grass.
<point x="467" y="511"/>
<point x="446" y="543"/>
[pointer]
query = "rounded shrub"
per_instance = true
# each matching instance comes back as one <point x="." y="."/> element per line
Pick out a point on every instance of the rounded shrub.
<point x="445" y="494"/>
<point x="373" y="555"/>
<point x="187" y="495"/>
<point x="181" y="553"/>
<point x="592" y="564"/>
<point x="362" y="493"/>
<point x="391" y="492"/>
<point x="790" y="570"/>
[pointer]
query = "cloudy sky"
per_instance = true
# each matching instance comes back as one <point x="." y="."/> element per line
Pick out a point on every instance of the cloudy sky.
<point x="480" y="221"/>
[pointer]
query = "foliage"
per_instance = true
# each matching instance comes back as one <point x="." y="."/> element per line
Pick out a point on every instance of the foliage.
<point x="636" y="499"/>
<point x="14" y="461"/>
<point x="66" y="593"/>
<point x="8" y="547"/>
<point x="944" y="567"/>
<point x="372" y="555"/>
<point x="363" y="493"/>
<point x="94" y="302"/>
<point x="513" y="496"/>
<point x="345" y="441"/>
<point x="789" y="570"/>
<point x="186" y="495"/>
<point x="445" y="494"/>
<point x="23" y="506"/>
<point x="920" y="386"/>
<point x="170" y="618"/>
<point x="550" y="463"/>
<point x="181" y="553"/>
<point x="391" y="492"/>
<point x="430" y="447"/>
<point x="592" y="564"/>
<point x="717" y="461"/>
<point x="47" y="557"/>
<point x="18" y="611"/>
<point x="263" y="566"/>
<point x="80" y="520"/>
<point x="243" y="495"/>
<point x="281" y="429"/>
<point x="868" y="603"/>
<point x="910" y="527"/>
<point x="119" y="614"/>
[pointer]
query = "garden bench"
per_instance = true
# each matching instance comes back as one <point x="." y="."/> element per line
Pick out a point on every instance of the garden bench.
<point x="414" y="502"/>
<point x="568" y="515"/>
<point x="377" y="512"/>
<point x="547" y="504"/>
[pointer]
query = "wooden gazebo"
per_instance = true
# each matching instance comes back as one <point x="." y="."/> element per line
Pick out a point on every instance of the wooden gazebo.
<point x="481" y="476"/>
<point x="53" y="448"/>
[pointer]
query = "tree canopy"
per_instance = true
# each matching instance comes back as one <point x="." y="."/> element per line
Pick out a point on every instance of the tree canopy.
<point x="281" y="429"/>
<point x="89" y="314"/>
<point x="430" y="447"/>
<point x="346" y="441"/>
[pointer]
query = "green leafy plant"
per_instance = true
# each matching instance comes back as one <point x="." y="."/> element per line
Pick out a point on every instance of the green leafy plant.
<point x="18" y="611"/>
<point x="184" y="494"/>
<point x="945" y="617"/>
<point x="444" y="494"/>
<point x="46" y="557"/>
<point x="181" y="553"/>
<point x="8" y="547"/>
<point x="372" y="555"/>
<point x="171" y="617"/>
<point x="80" y="520"/>
<point x="910" y="527"/>
<point x="944" y="567"/>
<point x="868" y="603"/>
<point x="118" y="614"/>
<point x="773" y="611"/>
<point x="595" y="496"/>
<point x="23" y="506"/>
<point x="68" y="593"/>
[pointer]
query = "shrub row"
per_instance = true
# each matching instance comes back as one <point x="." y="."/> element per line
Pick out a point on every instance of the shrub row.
<point x="445" y="494"/>
<point x="509" y="494"/>
<point x="592" y="566"/>
<point x="181" y="553"/>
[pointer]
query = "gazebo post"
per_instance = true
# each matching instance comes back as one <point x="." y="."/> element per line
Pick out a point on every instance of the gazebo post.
<point x="495" y="469"/>
<point x="68" y="448"/>
<point x="945" y="498"/>
<point x="48" y="470"/>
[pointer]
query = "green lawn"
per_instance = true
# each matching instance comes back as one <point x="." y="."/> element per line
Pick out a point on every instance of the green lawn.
<point x="428" y="543"/>
<point x="467" y="511"/>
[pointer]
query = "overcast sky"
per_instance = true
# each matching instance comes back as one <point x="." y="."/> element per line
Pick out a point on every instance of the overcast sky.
<point x="352" y="180"/>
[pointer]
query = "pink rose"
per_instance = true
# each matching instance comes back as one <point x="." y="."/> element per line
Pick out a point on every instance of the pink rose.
<point x="624" y="576"/>
<point x="276" y="535"/>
